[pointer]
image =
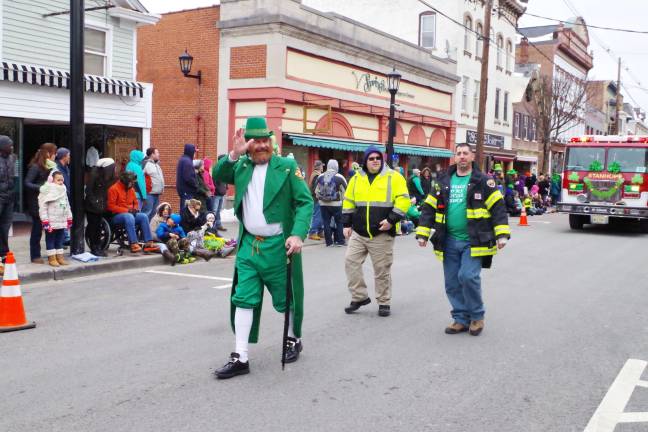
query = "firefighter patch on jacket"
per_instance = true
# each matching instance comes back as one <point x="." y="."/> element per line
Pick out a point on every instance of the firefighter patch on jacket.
<point x="490" y="183"/>
<point x="478" y="196"/>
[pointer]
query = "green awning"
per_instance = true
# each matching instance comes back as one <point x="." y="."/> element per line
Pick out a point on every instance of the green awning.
<point x="361" y="146"/>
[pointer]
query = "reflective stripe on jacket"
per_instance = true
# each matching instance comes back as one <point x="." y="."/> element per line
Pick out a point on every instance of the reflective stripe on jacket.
<point x="366" y="204"/>
<point x="485" y="211"/>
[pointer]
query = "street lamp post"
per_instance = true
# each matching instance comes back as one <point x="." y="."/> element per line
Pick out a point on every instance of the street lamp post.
<point x="186" y="60"/>
<point x="393" y="82"/>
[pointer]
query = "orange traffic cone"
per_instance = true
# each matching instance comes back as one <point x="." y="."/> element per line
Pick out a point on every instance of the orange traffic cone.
<point x="12" y="312"/>
<point x="523" y="218"/>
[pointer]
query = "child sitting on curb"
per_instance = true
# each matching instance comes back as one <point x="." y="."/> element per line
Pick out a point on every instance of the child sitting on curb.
<point x="56" y="216"/>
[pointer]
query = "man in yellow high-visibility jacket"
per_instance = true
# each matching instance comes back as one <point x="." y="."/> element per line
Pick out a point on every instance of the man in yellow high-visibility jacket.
<point x="375" y="200"/>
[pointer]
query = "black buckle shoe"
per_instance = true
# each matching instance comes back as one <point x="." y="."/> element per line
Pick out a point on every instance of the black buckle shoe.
<point x="232" y="368"/>
<point x="384" y="310"/>
<point x="293" y="348"/>
<point x="354" y="306"/>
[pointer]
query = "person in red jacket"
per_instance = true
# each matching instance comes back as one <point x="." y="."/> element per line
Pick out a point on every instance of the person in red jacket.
<point x="122" y="203"/>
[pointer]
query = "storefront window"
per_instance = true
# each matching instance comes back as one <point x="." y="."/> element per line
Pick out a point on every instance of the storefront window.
<point x="119" y="142"/>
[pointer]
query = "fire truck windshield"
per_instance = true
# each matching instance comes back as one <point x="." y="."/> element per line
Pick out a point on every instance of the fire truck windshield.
<point x="632" y="160"/>
<point x="580" y="158"/>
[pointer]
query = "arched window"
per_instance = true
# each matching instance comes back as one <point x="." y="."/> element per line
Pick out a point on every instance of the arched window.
<point x="500" y="51"/>
<point x="427" y="30"/>
<point x="467" y="33"/>
<point x="479" y="46"/>
<point x="509" y="56"/>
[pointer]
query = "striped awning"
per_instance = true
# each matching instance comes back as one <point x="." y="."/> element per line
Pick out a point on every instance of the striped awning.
<point x="47" y="77"/>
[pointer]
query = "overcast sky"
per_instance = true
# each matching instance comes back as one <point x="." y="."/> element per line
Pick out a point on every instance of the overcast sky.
<point x="628" y="14"/>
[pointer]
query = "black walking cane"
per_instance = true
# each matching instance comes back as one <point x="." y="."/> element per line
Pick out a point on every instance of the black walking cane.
<point x="287" y="312"/>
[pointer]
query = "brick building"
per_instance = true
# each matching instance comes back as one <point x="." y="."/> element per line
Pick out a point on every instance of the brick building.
<point x="184" y="109"/>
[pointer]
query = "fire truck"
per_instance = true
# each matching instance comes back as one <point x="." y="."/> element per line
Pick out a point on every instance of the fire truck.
<point x="605" y="180"/>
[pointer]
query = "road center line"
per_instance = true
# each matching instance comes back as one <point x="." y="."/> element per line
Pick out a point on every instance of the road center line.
<point x="611" y="410"/>
<point x="190" y="275"/>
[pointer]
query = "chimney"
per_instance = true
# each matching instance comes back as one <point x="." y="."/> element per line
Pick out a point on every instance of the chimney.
<point x="524" y="51"/>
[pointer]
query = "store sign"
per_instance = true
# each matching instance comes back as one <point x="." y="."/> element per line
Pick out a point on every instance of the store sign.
<point x="316" y="70"/>
<point x="489" y="140"/>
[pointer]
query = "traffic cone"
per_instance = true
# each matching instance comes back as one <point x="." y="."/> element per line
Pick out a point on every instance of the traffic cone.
<point x="12" y="311"/>
<point x="523" y="218"/>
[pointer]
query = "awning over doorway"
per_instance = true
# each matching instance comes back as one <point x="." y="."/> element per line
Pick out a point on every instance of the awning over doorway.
<point x="47" y="77"/>
<point x="346" y="144"/>
<point x="523" y="158"/>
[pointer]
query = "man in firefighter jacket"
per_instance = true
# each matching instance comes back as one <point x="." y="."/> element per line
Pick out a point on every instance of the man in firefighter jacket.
<point x="375" y="200"/>
<point x="466" y="218"/>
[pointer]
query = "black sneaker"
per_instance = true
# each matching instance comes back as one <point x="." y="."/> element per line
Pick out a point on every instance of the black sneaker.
<point x="354" y="306"/>
<point x="384" y="310"/>
<point x="293" y="348"/>
<point x="232" y="368"/>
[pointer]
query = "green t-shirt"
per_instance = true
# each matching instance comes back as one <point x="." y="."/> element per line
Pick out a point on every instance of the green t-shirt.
<point x="456" y="219"/>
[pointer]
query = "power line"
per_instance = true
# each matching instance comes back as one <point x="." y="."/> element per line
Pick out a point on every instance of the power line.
<point x="588" y="25"/>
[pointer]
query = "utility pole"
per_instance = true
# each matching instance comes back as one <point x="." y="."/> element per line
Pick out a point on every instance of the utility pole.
<point x="617" y="127"/>
<point x="77" y="124"/>
<point x="483" y="90"/>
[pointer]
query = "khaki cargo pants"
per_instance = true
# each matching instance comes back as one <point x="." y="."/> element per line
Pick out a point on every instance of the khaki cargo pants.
<point x="381" y="251"/>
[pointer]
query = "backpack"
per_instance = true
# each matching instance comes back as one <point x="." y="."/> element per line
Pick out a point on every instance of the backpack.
<point x="327" y="188"/>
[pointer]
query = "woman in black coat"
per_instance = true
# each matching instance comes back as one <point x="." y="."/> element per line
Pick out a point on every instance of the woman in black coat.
<point x="100" y="178"/>
<point x="37" y="172"/>
<point x="193" y="216"/>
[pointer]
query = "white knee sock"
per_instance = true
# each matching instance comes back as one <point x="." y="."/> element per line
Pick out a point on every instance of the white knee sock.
<point x="242" y="326"/>
<point x="291" y="333"/>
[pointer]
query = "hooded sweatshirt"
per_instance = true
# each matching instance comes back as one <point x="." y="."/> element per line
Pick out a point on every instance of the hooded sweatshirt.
<point x="372" y="149"/>
<point x="135" y="166"/>
<point x="157" y="220"/>
<point x="331" y="174"/>
<point x="185" y="173"/>
<point x="164" y="230"/>
<point x="209" y="181"/>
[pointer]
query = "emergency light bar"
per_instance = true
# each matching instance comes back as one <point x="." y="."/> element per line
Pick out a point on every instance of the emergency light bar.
<point x="610" y="138"/>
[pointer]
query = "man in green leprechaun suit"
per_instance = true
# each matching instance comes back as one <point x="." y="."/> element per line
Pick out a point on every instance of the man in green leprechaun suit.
<point x="274" y="207"/>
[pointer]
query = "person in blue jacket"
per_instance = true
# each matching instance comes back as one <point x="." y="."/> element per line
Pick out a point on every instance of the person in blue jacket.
<point x="135" y="166"/>
<point x="186" y="184"/>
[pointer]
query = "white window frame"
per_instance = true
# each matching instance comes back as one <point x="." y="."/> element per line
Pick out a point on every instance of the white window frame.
<point x="500" y="48"/>
<point x="505" y="111"/>
<point x="516" y="125"/>
<point x="476" y="96"/>
<point x="464" y="94"/>
<point x="99" y="26"/>
<point x="498" y="92"/>
<point x="434" y="41"/>
<point x="509" y="55"/>
<point x="479" y="45"/>
<point x="468" y="24"/>
<point x="525" y="126"/>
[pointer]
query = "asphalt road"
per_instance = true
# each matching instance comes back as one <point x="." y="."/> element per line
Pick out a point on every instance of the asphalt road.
<point x="134" y="351"/>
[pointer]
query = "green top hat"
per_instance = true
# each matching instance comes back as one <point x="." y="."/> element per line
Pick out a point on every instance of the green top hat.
<point x="511" y="172"/>
<point x="497" y="167"/>
<point x="256" y="127"/>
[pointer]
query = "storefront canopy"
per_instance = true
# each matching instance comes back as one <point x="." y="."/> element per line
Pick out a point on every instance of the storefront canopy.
<point x="361" y="146"/>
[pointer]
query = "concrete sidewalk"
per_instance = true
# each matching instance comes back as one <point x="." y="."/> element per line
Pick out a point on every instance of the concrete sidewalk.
<point x="28" y="272"/>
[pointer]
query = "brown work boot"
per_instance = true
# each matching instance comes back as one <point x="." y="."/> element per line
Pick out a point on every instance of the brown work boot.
<point x="38" y="261"/>
<point x="135" y="248"/>
<point x="455" y="328"/>
<point x="476" y="327"/>
<point x="61" y="260"/>
<point x="53" y="261"/>
<point x="315" y="237"/>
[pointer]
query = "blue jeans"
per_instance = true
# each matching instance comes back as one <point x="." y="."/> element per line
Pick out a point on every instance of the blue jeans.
<point x="150" y="205"/>
<point x="463" y="281"/>
<point x="335" y="213"/>
<point x="129" y="222"/>
<point x="35" y="238"/>
<point x="316" y="221"/>
<point x="54" y="240"/>
<point x="217" y="206"/>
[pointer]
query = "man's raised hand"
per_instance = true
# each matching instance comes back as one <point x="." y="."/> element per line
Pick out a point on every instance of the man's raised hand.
<point x="240" y="146"/>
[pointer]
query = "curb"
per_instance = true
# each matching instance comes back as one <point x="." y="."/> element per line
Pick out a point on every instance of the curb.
<point x="113" y="264"/>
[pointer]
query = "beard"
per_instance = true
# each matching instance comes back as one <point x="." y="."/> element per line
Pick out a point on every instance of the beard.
<point x="261" y="156"/>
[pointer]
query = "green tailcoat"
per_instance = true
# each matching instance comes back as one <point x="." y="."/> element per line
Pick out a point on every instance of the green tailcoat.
<point x="286" y="200"/>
